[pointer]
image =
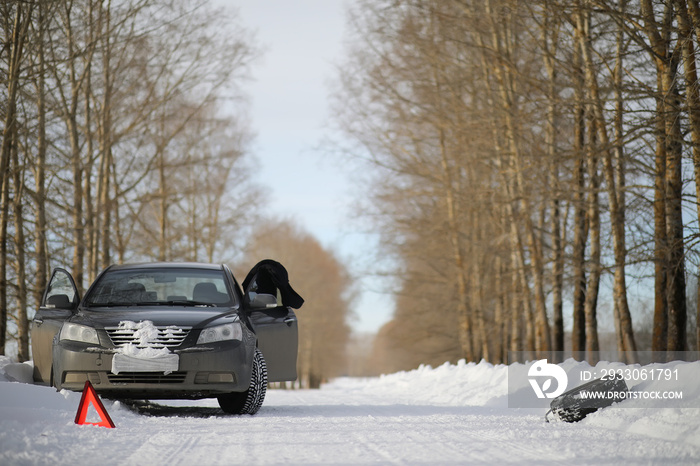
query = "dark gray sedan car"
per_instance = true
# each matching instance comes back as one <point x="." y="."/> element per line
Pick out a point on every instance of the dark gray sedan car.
<point x="169" y="330"/>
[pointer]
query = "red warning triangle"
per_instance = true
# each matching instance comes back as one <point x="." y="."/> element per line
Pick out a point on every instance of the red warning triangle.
<point x="90" y="396"/>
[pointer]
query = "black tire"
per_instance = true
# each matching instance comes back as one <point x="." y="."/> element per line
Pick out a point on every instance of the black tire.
<point x="249" y="401"/>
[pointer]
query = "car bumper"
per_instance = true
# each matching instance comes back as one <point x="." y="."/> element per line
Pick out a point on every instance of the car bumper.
<point x="202" y="372"/>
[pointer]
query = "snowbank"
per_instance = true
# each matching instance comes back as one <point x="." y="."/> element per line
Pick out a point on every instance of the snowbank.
<point x="21" y="402"/>
<point x="14" y="372"/>
<point x="387" y="417"/>
<point x="486" y="385"/>
<point x="464" y="384"/>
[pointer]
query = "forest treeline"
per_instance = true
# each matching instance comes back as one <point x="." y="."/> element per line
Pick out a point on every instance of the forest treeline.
<point x="114" y="145"/>
<point x="125" y="137"/>
<point x="530" y="159"/>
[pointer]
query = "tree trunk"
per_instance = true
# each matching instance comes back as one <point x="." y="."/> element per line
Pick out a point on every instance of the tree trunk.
<point x="20" y="263"/>
<point x="693" y="102"/>
<point x="465" y="319"/>
<point x="163" y="250"/>
<point x="685" y="38"/>
<point x="106" y="140"/>
<point x="42" y="265"/>
<point x="675" y="281"/>
<point x="501" y="353"/>
<point x="15" y="41"/>
<point x="78" y="227"/>
<point x="668" y="112"/>
<point x="594" y="273"/>
<point x="550" y="34"/>
<point x="4" y="219"/>
<point x="615" y="180"/>
<point x="90" y="212"/>
<point x="660" y="325"/>
<point x="70" y="110"/>
<point x="579" y="336"/>
<point x="516" y="316"/>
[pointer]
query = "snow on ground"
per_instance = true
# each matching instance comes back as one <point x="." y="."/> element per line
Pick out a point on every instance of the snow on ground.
<point x="452" y="414"/>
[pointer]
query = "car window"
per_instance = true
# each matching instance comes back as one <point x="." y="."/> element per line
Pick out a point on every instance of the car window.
<point x="160" y="287"/>
<point x="60" y="290"/>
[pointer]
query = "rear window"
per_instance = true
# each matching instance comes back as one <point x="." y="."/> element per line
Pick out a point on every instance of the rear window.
<point x="184" y="286"/>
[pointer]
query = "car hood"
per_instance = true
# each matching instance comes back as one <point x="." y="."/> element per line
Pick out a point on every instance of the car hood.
<point x="159" y="315"/>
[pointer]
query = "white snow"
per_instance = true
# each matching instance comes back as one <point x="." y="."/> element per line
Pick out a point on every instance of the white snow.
<point x="145" y="335"/>
<point x="452" y="414"/>
<point x="146" y="353"/>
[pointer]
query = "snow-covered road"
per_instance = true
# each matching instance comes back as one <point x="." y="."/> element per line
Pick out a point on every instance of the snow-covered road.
<point x="447" y="415"/>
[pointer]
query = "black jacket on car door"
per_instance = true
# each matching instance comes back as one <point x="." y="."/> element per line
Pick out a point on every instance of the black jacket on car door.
<point x="276" y="325"/>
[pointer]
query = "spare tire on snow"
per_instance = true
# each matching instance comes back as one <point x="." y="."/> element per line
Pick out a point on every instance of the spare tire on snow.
<point x="576" y="404"/>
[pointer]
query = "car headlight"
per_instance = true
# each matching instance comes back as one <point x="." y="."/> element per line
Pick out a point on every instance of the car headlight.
<point x="224" y="332"/>
<point x="77" y="332"/>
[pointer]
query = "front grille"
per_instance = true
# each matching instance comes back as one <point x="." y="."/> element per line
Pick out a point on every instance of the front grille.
<point x="146" y="377"/>
<point x="168" y="336"/>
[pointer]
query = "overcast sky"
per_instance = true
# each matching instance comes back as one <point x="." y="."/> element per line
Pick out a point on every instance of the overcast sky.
<point x="302" y="43"/>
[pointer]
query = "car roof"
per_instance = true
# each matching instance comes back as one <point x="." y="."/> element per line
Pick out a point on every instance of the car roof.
<point x="167" y="265"/>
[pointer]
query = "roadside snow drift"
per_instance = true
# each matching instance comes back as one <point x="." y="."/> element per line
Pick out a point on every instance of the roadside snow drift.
<point x="452" y="414"/>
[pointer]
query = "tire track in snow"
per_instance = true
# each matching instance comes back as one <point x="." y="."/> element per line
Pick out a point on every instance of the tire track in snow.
<point x="371" y="442"/>
<point x="336" y="427"/>
<point x="165" y="448"/>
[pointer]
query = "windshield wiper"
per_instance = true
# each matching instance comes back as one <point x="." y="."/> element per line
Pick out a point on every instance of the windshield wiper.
<point x="178" y="302"/>
<point x="110" y="304"/>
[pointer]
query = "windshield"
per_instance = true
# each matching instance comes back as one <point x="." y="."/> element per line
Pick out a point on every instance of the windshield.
<point x="185" y="287"/>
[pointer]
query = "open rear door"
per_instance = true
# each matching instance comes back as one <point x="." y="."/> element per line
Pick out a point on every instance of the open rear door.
<point x="269" y="300"/>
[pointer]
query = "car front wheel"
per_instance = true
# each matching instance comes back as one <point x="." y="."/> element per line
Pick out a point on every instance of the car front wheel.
<point x="249" y="401"/>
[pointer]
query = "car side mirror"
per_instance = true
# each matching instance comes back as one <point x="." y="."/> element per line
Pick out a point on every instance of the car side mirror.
<point x="59" y="301"/>
<point x="263" y="301"/>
